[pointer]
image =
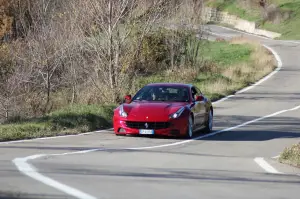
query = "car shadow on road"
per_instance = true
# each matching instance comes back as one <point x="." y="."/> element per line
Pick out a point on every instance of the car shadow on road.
<point x="263" y="130"/>
<point x="253" y="96"/>
<point x="142" y="173"/>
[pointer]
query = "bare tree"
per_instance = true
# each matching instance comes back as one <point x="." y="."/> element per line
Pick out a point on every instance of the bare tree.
<point x="43" y="30"/>
<point x="115" y="38"/>
<point x="14" y="80"/>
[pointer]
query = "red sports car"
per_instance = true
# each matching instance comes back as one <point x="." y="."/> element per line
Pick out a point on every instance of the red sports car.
<point x="167" y="109"/>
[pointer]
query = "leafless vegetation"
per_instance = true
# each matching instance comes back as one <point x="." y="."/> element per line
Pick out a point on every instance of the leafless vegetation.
<point x="291" y="155"/>
<point x="74" y="51"/>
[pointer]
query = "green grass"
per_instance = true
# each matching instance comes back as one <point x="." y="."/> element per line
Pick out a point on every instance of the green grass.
<point x="231" y="7"/>
<point x="288" y="28"/>
<point x="69" y="120"/>
<point x="291" y="155"/>
<point x="224" y="53"/>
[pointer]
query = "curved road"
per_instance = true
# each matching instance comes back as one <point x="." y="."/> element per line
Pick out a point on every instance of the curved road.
<point x="236" y="163"/>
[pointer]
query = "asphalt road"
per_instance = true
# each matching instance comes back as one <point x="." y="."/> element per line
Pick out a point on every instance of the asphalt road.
<point x="101" y="165"/>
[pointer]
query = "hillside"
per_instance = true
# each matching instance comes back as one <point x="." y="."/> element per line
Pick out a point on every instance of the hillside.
<point x="282" y="16"/>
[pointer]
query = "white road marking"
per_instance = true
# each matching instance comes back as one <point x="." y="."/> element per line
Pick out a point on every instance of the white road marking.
<point x="275" y="157"/>
<point x="29" y="170"/>
<point x="266" y="166"/>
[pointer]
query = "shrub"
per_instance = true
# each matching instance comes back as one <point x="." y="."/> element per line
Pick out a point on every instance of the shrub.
<point x="291" y="155"/>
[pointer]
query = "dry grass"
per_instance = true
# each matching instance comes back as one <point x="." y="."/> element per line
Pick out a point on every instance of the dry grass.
<point x="181" y="74"/>
<point x="262" y="60"/>
<point x="291" y="155"/>
<point x="236" y="76"/>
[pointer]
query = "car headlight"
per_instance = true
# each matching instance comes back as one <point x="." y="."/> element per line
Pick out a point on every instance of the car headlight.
<point x="177" y="113"/>
<point x="122" y="113"/>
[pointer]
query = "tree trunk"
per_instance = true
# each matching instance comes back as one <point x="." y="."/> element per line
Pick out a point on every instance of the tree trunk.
<point x="6" y="114"/>
<point x="117" y="58"/>
<point x="48" y="88"/>
<point x="74" y="84"/>
<point x="110" y="52"/>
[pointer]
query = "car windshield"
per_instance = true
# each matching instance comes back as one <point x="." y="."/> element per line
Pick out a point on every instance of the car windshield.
<point x="163" y="93"/>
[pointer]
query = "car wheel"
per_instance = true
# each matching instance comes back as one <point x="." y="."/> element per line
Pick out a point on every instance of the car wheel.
<point x="189" y="133"/>
<point x="209" y="122"/>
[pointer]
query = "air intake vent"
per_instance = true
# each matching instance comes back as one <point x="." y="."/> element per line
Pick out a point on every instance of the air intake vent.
<point x="147" y="125"/>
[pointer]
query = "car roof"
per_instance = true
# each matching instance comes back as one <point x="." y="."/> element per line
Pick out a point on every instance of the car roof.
<point x="170" y="84"/>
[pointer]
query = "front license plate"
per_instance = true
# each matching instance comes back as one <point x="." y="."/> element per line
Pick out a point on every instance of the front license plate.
<point x="146" y="131"/>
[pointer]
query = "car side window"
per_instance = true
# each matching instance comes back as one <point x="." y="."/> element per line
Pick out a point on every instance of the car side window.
<point x="198" y="91"/>
<point x="194" y="93"/>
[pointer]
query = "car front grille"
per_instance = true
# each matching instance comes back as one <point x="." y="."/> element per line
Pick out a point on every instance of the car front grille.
<point x="150" y="125"/>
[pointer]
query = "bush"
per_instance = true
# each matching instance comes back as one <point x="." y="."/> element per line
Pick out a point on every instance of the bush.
<point x="166" y="48"/>
<point x="291" y="155"/>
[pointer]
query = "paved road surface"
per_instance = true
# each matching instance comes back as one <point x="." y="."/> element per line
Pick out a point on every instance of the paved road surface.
<point x="220" y="166"/>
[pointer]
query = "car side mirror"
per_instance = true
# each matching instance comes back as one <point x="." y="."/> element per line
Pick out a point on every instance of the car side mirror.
<point x="127" y="98"/>
<point x="199" y="98"/>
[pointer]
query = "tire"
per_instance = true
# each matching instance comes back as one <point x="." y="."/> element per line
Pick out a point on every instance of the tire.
<point x="189" y="132"/>
<point x="209" y="122"/>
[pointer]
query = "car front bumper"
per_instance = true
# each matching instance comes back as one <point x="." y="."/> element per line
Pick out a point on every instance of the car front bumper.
<point x="177" y="127"/>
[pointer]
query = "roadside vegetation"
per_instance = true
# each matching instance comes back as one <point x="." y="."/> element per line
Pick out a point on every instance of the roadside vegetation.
<point x="69" y="120"/>
<point x="282" y="16"/>
<point x="66" y="66"/>
<point x="291" y="155"/>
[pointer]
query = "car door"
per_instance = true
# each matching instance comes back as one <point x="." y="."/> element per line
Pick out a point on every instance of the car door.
<point x="199" y="110"/>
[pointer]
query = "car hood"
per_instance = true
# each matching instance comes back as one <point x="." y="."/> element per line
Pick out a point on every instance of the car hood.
<point x="151" y="111"/>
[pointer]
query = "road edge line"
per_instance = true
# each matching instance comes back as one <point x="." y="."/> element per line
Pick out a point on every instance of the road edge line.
<point x="27" y="169"/>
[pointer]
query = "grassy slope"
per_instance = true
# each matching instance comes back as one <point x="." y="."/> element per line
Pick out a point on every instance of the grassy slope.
<point x="70" y="120"/>
<point x="231" y="67"/>
<point x="289" y="28"/>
